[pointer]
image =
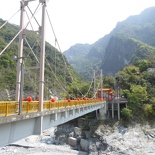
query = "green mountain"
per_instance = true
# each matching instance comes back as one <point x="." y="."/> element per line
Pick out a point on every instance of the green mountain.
<point x="131" y="40"/>
<point x="59" y="74"/>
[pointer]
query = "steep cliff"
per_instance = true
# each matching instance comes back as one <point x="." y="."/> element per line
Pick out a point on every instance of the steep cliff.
<point x="120" y="47"/>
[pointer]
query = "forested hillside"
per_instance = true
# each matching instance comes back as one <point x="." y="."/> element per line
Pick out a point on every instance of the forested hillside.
<point x="131" y="40"/>
<point x="59" y="75"/>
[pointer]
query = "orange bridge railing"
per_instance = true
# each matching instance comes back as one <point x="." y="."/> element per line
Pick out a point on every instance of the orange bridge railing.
<point x="11" y="107"/>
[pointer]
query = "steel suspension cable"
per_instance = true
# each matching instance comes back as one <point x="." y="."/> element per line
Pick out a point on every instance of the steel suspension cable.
<point x="34" y="17"/>
<point x="61" y="51"/>
<point x="9" y="19"/>
<point x="56" y="41"/>
<point x="31" y="50"/>
<point x="57" y="78"/>
<point x="18" y="33"/>
<point x="60" y="85"/>
<point x="89" y="88"/>
<point x="55" y="69"/>
<point x="53" y="30"/>
<point x="49" y="67"/>
<point x="96" y="89"/>
<point x="30" y="22"/>
<point x="10" y="42"/>
<point x="46" y="61"/>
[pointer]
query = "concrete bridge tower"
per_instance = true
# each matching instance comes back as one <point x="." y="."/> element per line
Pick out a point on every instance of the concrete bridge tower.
<point x="19" y="80"/>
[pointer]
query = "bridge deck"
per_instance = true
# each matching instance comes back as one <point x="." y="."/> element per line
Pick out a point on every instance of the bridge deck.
<point x="11" y="107"/>
<point x="15" y="127"/>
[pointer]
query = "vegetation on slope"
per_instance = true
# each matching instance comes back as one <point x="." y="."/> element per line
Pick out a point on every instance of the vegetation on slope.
<point x="59" y="75"/>
<point x="137" y="84"/>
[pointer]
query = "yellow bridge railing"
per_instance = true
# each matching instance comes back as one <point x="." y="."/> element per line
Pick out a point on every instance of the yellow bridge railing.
<point x="11" y="107"/>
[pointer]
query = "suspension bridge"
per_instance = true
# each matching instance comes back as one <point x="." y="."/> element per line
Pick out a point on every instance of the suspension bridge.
<point x="21" y="118"/>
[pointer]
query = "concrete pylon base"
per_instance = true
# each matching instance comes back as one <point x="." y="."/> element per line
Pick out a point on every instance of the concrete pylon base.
<point x="102" y="114"/>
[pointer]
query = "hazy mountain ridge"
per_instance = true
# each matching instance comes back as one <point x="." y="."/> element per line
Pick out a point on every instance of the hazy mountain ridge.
<point x="76" y="50"/>
<point x="118" y="48"/>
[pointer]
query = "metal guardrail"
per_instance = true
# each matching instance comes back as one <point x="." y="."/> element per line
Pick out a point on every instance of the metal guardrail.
<point x="12" y="107"/>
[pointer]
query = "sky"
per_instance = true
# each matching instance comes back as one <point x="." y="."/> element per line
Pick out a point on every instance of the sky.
<point x="78" y="21"/>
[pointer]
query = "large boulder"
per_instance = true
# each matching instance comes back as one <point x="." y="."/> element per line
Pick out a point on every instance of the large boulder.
<point x="84" y="145"/>
<point x="77" y="132"/>
<point x="72" y="141"/>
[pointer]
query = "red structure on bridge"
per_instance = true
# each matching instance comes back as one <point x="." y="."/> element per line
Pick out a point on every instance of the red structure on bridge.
<point x="107" y="93"/>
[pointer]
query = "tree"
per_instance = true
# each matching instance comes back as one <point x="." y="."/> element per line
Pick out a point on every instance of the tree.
<point x="143" y="64"/>
<point x="108" y="82"/>
<point x="138" y="95"/>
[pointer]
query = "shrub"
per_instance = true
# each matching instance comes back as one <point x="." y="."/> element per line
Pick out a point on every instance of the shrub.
<point x="147" y="109"/>
<point x="126" y="113"/>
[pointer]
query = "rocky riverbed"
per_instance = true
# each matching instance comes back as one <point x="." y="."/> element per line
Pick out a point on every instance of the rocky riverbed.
<point x="88" y="138"/>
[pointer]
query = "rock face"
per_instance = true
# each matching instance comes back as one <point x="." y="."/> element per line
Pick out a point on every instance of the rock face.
<point x="113" y="140"/>
<point x="88" y="137"/>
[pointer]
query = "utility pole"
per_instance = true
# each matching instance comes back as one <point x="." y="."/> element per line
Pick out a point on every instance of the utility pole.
<point x="101" y="86"/>
<point x="94" y="85"/>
